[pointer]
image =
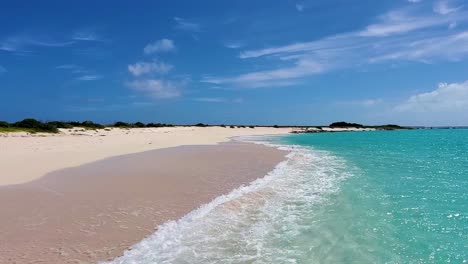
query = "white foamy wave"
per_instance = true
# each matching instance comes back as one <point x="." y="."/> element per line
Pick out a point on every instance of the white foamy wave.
<point x="252" y="224"/>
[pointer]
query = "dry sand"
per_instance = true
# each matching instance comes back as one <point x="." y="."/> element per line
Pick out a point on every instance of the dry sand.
<point x="25" y="157"/>
<point x="95" y="211"/>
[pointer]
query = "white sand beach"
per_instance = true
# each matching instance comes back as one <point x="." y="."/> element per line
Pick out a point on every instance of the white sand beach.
<point x="25" y="157"/>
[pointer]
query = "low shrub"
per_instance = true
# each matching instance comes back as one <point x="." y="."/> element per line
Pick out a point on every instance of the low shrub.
<point x="345" y="124"/>
<point x="59" y="124"/>
<point x="35" y="125"/>
<point x="121" y="124"/>
<point x="139" y="124"/>
<point x="91" y="125"/>
<point x="4" y="124"/>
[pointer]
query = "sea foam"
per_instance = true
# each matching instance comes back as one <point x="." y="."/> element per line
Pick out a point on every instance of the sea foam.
<point x="257" y="223"/>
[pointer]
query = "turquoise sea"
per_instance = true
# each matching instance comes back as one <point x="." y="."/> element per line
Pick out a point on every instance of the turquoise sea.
<point x="351" y="197"/>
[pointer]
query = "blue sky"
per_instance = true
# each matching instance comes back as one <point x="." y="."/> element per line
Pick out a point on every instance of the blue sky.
<point x="250" y="62"/>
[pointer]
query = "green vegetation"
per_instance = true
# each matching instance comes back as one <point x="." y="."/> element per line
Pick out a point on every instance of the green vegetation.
<point x="121" y="124"/>
<point x="158" y="125"/>
<point x="4" y="124"/>
<point x="139" y="124"/>
<point x="59" y="124"/>
<point x="34" y="126"/>
<point x="91" y="125"/>
<point x="28" y="125"/>
<point x="345" y="124"/>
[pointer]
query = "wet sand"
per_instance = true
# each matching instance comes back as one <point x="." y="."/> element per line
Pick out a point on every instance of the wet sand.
<point x="95" y="211"/>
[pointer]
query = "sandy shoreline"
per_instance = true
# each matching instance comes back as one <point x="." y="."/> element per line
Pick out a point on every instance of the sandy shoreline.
<point x="25" y="157"/>
<point x="95" y="211"/>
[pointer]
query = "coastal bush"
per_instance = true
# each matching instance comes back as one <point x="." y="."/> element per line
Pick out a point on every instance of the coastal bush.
<point x="4" y="124"/>
<point x="74" y="124"/>
<point x="251" y="126"/>
<point x="139" y="124"/>
<point x="345" y="124"/>
<point x="276" y="126"/>
<point x="158" y="125"/>
<point x="201" y="125"/>
<point x="59" y="124"/>
<point x="222" y="125"/>
<point x="121" y="124"/>
<point x="91" y="125"/>
<point x="232" y="126"/>
<point x="154" y="125"/>
<point x="35" y="126"/>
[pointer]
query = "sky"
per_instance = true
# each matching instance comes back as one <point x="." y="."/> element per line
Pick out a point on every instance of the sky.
<point x="236" y="62"/>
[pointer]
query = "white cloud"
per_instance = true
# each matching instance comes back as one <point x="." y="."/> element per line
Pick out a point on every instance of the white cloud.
<point x="414" y="1"/>
<point x="448" y="47"/>
<point x="283" y="76"/>
<point x="86" y="35"/>
<point x="218" y="100"/>
<point x="67" y="67"/>
<point x="2" y="69"/>
<point x="141" y="68"/>
<point x="89" y="78"/>
<point x="401" y="21"/>
<point x="183" y="24"/>
<point x="21" y="43"/>
<point x="446" y="98"/>
<point x="210" y="99"/>
<point x="443" y="7"/>
<point x="366" y="103"/>
<point x="299" y="7"/>
<point x="162" y="45"/>
<point x="408" y="34"/>
<point x="159" y="89"/>
<point x="234" y="45"/>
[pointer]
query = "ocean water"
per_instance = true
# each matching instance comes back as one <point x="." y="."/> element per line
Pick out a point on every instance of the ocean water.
<point x="353" y="197"/>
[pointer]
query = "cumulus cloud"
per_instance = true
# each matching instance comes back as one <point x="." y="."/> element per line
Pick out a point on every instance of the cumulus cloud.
<point x="446" y="98"/>
<point x="142" y="68"/>
<point x="158" y="89"/>
<point x="162" y="45"/>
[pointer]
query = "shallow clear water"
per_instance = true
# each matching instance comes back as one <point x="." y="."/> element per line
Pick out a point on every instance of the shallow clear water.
<point x="354" y="197"/>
